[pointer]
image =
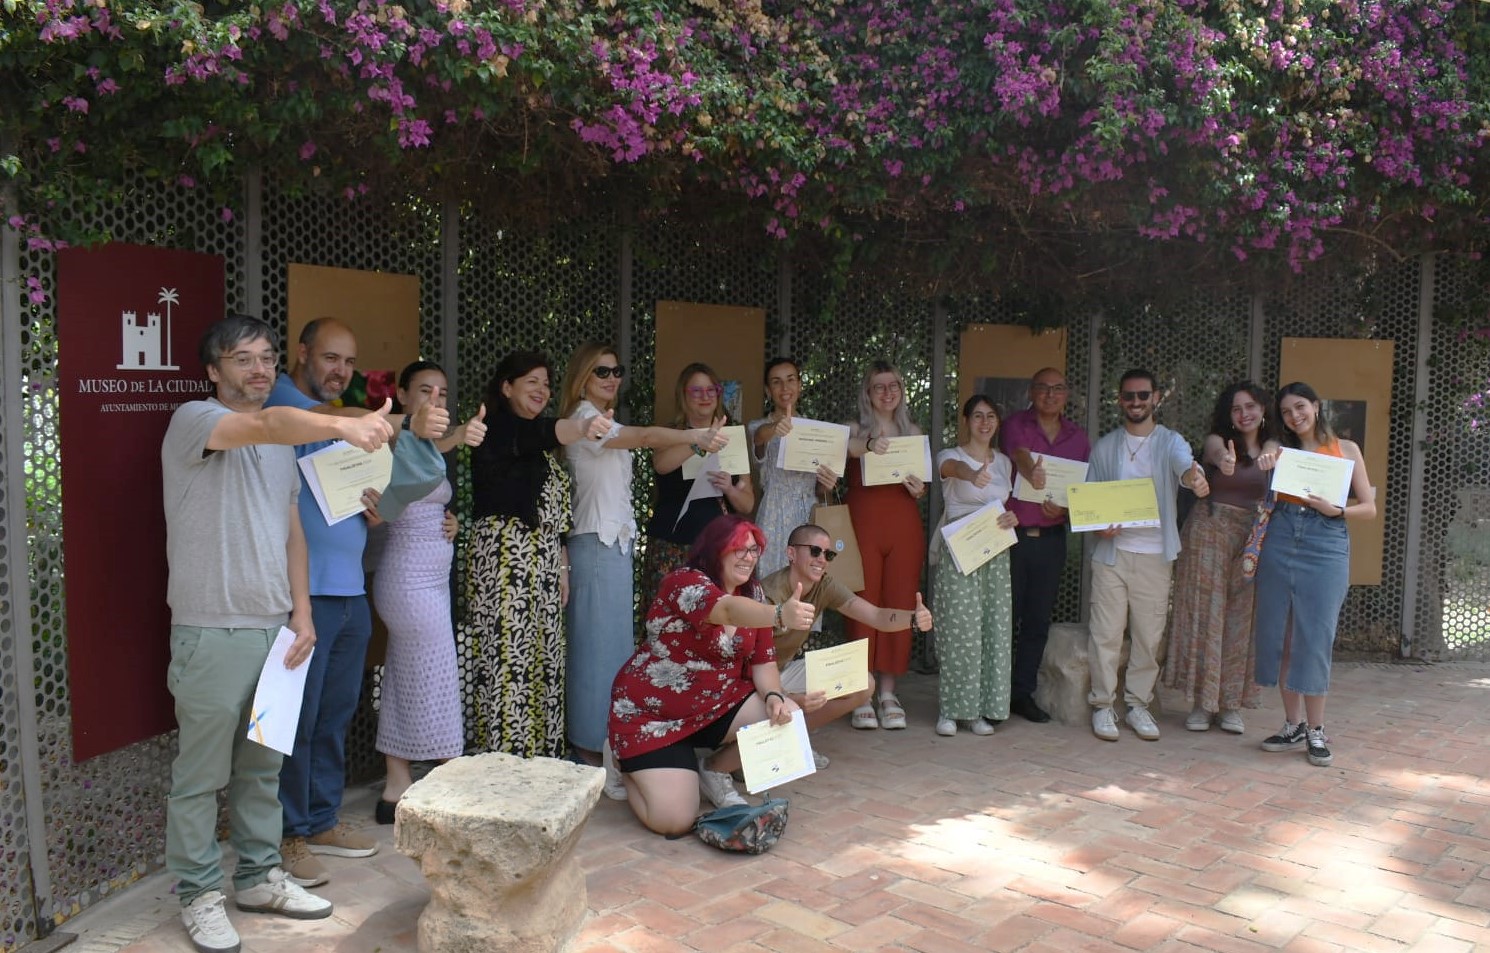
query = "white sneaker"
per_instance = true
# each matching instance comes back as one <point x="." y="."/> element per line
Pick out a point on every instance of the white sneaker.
<point x="279" y="894"/>
<point x="980" y="726"/>
<point x="717" y="786"/>
<point x="1231" y="720"/>
<point x="820" y="760"/>
<point x="1143" y="724"/>
<point x="615" y="788"/>
<point x="946" y="727"/>
<point x="206" y="922"/>
<point x="1104" y="724"/>
<point x="1198" y="720"/>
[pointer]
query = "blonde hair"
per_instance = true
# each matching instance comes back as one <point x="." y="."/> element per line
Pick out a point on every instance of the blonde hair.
<point x="582" y="364"/>
<point x="901" y="415"/>
<point x="680" y="414"/>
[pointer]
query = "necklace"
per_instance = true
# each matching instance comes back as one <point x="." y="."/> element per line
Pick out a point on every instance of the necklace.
<point x="1133" y="452"/>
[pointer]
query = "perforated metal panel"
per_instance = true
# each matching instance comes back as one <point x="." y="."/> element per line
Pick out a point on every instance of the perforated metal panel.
<point x="104" y="819"/>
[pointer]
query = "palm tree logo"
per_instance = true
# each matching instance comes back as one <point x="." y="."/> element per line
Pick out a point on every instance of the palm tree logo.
<point x="168" y="297"/>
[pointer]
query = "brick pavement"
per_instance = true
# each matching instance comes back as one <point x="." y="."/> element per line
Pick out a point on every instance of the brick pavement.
<point x="1040" y="838"/>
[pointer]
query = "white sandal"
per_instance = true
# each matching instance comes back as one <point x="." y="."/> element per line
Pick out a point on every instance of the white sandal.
<point x="892" y="716"/>
<point x="864" y="718"/>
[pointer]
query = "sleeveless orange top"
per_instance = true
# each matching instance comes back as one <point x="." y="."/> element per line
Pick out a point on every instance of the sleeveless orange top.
<point x="1331" y="449"/>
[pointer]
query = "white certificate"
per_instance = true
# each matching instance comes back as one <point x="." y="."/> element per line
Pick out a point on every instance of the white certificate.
<point x="906" y="456"/>
<point x="732" y="459"/>
<point x="338" y="474"/>
<point x="813" y="442"/>
<point x="977" y="537"/>
<point x="839" y="670"/>
<point x="276" y="710"/>
<point x="774" y="754"/>
<point x="1300" y="473"/>
<point x="1060" y="473"/>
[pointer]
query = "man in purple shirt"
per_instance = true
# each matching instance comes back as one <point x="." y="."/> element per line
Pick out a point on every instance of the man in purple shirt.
<point x="1037" y="563"/>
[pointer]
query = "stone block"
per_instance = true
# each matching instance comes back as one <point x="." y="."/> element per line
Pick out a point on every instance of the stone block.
<point x="1065" y="679"/>
<point x="494" y="836"/>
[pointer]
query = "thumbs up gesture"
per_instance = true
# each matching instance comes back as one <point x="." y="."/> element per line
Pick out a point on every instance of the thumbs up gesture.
<point x="600" y="425"/>
<point x="796" y="614"/>
<point x="922" y="616"/>
<point x="709" y="439"/>
<point x="784" y="422"/>
<point x="431" y="420"/>
<point x="1037" y="473"/>
<point x="370" y="431"/>
<point x="475" y="429"/>
<point x="1228" y="459"/>
<point x="981" y="477"/>
<point x="1198" y="483"/>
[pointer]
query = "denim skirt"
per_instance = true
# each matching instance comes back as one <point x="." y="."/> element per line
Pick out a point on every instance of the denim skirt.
<point x="601" y="634"/>
<point x="1302" y="579"/>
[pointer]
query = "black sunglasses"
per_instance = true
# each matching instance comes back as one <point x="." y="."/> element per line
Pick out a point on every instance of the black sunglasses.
<point x="816" y="551"/>
<point x="1137" y="394"/>
<point x="602" y="371"/>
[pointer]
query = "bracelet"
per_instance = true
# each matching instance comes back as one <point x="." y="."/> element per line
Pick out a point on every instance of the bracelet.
<point x="778" y="616"/>
<point x="1342" y="513"/>
<point x="698" y="451"/>
<point x="767" y="697"/>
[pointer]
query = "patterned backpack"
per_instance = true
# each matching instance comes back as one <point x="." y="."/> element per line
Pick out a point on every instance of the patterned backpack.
<point x="748" y="828"/>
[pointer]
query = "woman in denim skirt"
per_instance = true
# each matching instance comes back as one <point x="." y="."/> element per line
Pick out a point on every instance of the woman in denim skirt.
<point x="1303" y="576"/>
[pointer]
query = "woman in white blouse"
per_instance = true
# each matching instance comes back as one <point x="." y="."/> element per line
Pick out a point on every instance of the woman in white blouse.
<point x="600" y="612"/>
<point x="974" y="635"/>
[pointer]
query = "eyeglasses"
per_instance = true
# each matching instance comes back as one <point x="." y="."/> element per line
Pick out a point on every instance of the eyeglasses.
<point x="1132" y="395"/>
<point x="816" y="551"/>
<point x="749" y="552"/>
<point x="246" y="362"/>
<point x="604" y="371"/>
<point x="1049" y="389"/>
<point x="713" y="390"/>
<point x="893" y="387"/>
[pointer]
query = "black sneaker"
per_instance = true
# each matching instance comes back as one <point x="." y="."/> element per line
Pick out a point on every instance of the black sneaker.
<point x="1291" y="738"/>
<point x="1319" y="753"/>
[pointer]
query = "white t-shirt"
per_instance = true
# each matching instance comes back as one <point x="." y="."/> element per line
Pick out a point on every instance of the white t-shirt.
<point x="961" y="496"/>
<point x="602" y="485"/>
<point x="1137" y="463"/>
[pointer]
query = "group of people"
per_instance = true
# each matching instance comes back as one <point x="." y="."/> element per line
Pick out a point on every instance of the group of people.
<point x="730" y="605"/>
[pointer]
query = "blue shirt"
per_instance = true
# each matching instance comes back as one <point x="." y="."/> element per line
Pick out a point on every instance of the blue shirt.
<point x="335" y="551"/>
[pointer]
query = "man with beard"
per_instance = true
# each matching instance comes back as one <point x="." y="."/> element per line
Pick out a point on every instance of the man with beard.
<point x="1131" y="566"/>
<point x="237" y="561"/>
<point x="313" y="777"/>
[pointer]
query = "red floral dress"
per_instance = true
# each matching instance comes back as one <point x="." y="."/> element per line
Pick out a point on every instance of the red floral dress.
<point x="689" y="672"/>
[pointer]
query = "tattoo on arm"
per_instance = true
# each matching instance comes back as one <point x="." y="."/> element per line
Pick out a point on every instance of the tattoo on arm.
<point x="894" y="617"/>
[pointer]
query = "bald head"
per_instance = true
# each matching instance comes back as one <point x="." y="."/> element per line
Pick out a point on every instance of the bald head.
<point x="325" y="359"/>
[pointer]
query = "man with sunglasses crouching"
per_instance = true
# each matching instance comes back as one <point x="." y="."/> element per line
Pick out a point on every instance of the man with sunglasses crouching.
<point x="809" y="549"/>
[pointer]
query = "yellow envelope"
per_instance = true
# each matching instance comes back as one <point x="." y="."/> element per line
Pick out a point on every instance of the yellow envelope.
<point x="774" y="754"/>
<point x="906" y="456"/>
<point x="1130" y="503"/>
<point x="839" y="670"/>
<point x="977" y="538"/>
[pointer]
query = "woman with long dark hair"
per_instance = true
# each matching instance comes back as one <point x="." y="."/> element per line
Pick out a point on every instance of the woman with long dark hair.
<point x="1303" y="576"/>
<point x="787" y="496"/>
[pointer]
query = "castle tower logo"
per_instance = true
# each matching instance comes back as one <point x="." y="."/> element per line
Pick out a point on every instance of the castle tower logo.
<point x="141" y="343"/>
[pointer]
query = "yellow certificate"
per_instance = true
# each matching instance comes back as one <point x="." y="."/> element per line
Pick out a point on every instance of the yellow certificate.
<point x="840" y="670"/>
<point x="732" y="459"/>
<point x="338" y="474"/>
<point x="977" y="537"/>
<point x="1060" y="473"/>
<point x="1299" y="473"/>
<point x="813" y="442"/>
<point x="774" y="754"/>
<point x="1112" y="503"/>
<point x="907" y="456"/>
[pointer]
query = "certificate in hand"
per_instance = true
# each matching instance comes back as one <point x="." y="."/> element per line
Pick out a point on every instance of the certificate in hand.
<point x="839" y="670"/>
<point x="1299" y="473"/>
<point x="1060" y="473"/>
<point x="1112" y="503"/>
<point x="977" y="538"/>
<point x="732" y="459"/>
<point x="774" y="754"/>
<point x="338" y="474"/>
<point x="813" y="442"/>
<point x="907" y="456"/>
<point x="277" y="698"/>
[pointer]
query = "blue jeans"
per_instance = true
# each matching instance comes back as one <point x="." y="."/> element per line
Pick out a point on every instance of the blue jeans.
<point x="1302" y="579"/>
<point x="600" y="635"/>
<point x="312" y="779"/>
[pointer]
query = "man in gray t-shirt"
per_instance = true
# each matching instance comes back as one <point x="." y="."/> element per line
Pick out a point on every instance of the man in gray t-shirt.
<point x="237" y="574"/>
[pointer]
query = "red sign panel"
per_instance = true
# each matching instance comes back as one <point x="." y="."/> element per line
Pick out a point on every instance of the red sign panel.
<point x="128" y="321"/>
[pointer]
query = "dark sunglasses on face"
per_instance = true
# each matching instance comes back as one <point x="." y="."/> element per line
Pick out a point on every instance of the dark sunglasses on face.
<point x="1137" y="394"/>
<point x="602" y="371"/>
<point x="816" y="551"/>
